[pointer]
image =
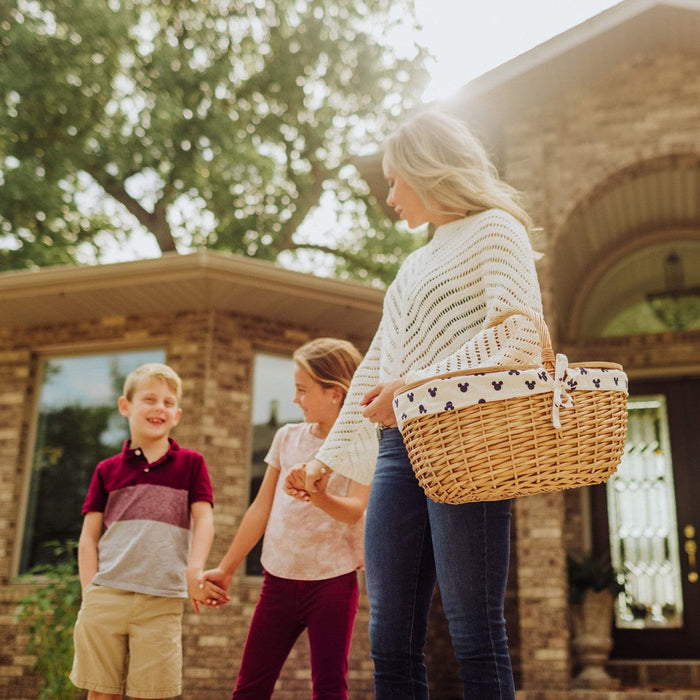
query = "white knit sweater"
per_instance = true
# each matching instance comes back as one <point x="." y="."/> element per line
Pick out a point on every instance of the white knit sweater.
<point x="433" y="322"/>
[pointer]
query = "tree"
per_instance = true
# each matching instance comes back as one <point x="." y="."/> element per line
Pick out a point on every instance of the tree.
<point x="217" y="123"/>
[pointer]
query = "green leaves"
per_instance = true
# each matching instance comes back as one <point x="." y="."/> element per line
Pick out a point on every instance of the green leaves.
<point x="590" y="572"/>
<point x="50" y="609"/>
<point x="215" y="123"/>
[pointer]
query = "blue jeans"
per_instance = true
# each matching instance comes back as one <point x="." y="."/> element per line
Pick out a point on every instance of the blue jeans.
<point x="409" y="542"/>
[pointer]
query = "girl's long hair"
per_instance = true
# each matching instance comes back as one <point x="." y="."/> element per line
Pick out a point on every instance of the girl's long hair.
<point x="330" y="361"/>
<point x="446" y="164"/>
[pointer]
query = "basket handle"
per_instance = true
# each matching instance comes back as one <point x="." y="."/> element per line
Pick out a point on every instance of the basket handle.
<point x="538" y="321"/>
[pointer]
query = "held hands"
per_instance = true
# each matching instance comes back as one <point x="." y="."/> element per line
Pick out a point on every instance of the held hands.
<point x="379" y="403"/>
<point x="305" y="480"/>
<point x="208" y="588"/>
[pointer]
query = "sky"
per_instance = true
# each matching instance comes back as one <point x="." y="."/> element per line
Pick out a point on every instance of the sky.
<point x="466" y="38"/>
<point x="470" y="37"/>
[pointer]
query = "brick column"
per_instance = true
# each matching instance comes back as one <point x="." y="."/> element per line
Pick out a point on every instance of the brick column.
<point x="15" y="368"/>
<point x="543" y="592"/>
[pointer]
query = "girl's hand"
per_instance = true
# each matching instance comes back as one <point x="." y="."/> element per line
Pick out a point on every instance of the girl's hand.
<point x="303" y="495"/>
<point x="211" y="587"/>
<point x="379" y="403"/>
<point x="296" y="477"/>
<point x="294" y="483"/>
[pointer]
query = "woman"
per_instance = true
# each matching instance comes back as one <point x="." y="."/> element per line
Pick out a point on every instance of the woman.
<point x="478" y="263"/>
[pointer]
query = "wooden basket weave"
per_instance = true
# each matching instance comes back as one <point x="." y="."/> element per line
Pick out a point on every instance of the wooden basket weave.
<point x="509" y="447"/>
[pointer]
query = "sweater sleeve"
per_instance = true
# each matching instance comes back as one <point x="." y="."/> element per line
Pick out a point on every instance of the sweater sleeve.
<point x="505" y="261"/>
<point x="434" y="321"/>
<point x="351" y="446"/>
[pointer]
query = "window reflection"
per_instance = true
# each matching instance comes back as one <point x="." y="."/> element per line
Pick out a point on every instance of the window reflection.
<point x="78" y="425"/>
<point x="273" y="406"/>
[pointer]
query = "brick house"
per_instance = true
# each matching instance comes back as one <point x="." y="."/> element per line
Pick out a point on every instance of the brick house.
<point x="600" y="127"/>
<point x="210" y="314"/>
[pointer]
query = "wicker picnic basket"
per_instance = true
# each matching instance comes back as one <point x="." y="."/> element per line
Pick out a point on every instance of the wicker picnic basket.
<point x="502" y="432"/>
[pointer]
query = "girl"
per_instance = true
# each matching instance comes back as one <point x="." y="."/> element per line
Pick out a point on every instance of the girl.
<point x="313" y="543"/>
<point x="478" y="263"/>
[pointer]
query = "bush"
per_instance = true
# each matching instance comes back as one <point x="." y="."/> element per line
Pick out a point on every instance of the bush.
<point x="50" y="610"/>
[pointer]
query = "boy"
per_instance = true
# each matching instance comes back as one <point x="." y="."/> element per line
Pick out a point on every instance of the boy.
<point x="135" y="574"/>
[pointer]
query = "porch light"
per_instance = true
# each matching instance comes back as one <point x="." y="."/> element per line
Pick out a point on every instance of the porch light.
<point x="676" y="306"/>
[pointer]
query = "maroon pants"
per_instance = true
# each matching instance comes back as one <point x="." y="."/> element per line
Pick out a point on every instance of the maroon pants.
<point x="326" y="608"/>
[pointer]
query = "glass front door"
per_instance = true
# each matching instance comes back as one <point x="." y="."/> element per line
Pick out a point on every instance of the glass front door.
<point x="646" y="516"/>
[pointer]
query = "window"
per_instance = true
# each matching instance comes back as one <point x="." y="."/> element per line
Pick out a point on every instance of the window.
<point x="78" y="425"/>
<point x="273" y="406"/>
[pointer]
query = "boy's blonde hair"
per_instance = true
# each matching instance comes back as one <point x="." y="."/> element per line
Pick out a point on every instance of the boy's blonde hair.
<point x="149" y="371"/>
<point x="330" y="361"/>
<point x="439" y="157"/>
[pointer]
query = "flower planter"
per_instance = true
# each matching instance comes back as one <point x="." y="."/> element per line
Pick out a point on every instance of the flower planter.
<point x="592" y="640"/>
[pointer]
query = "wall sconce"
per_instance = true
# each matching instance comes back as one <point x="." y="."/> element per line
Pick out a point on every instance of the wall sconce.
<point x="676" y="306"/>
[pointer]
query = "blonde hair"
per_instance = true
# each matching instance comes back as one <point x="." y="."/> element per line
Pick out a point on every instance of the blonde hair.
<point x="149" y="371"/>
<point x="439" y="157"/>
<point x="329" y="361"/>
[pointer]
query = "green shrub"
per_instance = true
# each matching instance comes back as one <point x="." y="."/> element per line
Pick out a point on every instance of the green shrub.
<point x="587" y="572"/>
<point x="50" y="610"/>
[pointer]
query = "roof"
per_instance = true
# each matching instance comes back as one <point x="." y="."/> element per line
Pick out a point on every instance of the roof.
<point x="583" y="53"/>
<point x="175" y="283"/>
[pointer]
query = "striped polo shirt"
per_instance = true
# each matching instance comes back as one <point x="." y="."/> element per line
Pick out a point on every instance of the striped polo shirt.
<point x="146" y="542"/>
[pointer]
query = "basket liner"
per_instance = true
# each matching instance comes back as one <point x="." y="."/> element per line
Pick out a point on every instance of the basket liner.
<point x="457" y="390"/>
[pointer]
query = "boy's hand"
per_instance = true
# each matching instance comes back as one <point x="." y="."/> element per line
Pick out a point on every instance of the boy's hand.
<point x="206" y="590"/>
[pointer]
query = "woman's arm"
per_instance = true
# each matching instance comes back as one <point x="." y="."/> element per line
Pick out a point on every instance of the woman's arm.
<point x="350" y="448"/>
<point x="346" y="509"/>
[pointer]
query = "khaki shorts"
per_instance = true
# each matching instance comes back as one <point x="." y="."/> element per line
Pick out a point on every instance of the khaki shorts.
<point x="128" y="642"/>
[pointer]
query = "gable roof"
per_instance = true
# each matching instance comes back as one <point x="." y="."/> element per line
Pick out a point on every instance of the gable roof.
<point x="580" y="55"/>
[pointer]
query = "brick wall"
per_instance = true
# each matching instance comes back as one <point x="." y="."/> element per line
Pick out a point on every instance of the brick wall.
<point x="560" y="149"/>
<point x="570" y="148"/>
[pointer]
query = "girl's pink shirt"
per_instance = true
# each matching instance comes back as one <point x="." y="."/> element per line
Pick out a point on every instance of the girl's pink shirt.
<point x="301" y="541"/>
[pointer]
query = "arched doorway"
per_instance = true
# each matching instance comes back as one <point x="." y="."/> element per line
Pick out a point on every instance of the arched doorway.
<point x="628" y="270"/>
<point x="609" y="253"/>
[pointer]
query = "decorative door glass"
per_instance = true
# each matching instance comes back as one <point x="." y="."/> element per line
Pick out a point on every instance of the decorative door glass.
<point x="642" y="519"/>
